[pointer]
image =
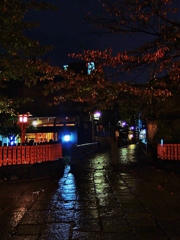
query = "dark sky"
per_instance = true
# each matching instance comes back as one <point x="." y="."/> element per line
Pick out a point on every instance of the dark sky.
<point x="65" y="30"/>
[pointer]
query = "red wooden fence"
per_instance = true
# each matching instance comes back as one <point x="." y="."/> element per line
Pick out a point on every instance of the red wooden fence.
<point x="168" y="151"/>
<point x="14" y="155"/>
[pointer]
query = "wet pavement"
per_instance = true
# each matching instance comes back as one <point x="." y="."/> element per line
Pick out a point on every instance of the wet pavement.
<point x="94" y="200"/>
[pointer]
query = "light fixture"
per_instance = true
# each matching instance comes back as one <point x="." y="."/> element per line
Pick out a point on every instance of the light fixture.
<point x="97" y="115"/>
<point x="67" y="137"/>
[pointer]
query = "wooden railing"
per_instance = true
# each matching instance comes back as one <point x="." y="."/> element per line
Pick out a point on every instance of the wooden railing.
<point x="168" y="151"/>
<point x="16" y="155"/>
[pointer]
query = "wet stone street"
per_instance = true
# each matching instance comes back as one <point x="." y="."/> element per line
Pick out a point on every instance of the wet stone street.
<point x="94" y="200"/>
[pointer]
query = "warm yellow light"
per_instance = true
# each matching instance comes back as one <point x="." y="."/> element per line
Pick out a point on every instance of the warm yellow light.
<point x="34" y="123"/>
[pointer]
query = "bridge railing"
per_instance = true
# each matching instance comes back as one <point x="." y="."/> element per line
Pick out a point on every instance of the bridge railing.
<point x="17" y="155"/>
<point x="168" y="151"/>
<point x="79" y="152"/>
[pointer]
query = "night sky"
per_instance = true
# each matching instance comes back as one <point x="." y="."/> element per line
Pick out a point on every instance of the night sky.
<point x="65" y="30"/>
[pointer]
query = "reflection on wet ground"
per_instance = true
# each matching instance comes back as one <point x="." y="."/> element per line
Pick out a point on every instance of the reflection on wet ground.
<point x="94" y="200"/>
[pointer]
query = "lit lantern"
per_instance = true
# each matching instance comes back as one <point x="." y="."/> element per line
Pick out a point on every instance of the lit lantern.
<point x="23" y="124"/>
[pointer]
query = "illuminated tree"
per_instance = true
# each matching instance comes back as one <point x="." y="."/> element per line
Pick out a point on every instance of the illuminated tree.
<point x="20" y="56"/>
<point x="157" y="57"/>
<point x="155" y="27"/>
<point x="140" y="77"/>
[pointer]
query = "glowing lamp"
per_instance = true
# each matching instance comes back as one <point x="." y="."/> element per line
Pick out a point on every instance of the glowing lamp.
<point x="67" y="137"/>
<point x="23" y="118"/>
<point x="97" y="115"/>
<point x="130" y="136"/>
<point x="23" y="124"/>
<point x="123" y="124"/>
<point x="34" y="123"/>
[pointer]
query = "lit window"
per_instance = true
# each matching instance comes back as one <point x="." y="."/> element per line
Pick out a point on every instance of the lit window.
<point x="65" y="67"/>
<point x="90" y="68"/>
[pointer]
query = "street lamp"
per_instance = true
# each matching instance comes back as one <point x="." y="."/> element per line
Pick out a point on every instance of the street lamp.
<point x="23" y="124"/>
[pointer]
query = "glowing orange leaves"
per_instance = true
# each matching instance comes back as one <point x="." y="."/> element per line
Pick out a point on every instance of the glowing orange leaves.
<point x="153" y="57"/>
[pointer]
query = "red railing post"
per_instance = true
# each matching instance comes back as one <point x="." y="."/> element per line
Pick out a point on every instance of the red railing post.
<point x="14" y="151"/>
<point x="178" y="151"/>
<point x="1" y="156"/>
<point x="9" y="155"/>
<point x="43" y="152"/>
<point x="27" y="149"/>
<point x="4" y="156"/>
<point x="23" y="155"/>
